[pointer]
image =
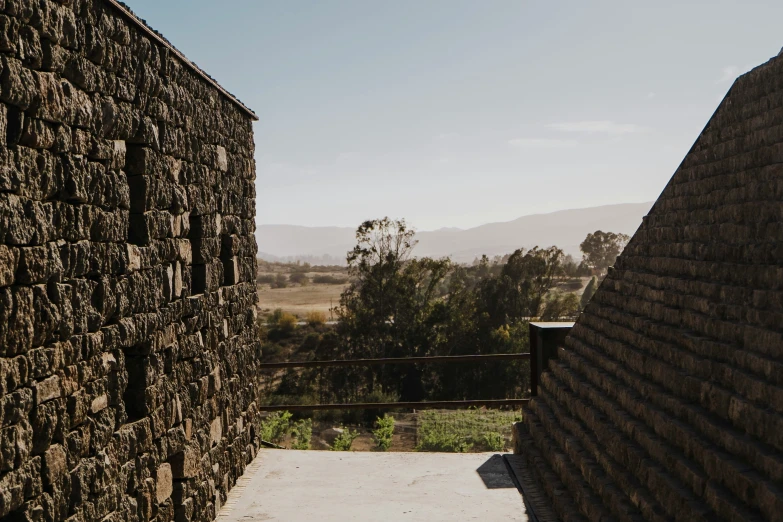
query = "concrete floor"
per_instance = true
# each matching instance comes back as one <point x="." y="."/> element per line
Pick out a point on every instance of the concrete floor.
<point x="329" y="486"/>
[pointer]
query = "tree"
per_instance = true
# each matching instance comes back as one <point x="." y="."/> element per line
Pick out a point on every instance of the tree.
<point x="387" y="310"/>
<point x="600" y="249"/>
<point x="517" y="293"/>
<point x="559" y="306"/>
<point x="492" y="318"/>
<point x="588" y="293"/>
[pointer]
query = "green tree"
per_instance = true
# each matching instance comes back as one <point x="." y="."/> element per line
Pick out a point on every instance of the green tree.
<point x="491" y="316"/>
<point x="387" y="310"/>
<point x="518" y="292"/>
<point x="559" y="306"/>
<point x="600" y="249"/>
<point x="590" y="289"/>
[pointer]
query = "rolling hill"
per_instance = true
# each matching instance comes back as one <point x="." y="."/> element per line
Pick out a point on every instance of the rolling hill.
<point x="564" y="228"/>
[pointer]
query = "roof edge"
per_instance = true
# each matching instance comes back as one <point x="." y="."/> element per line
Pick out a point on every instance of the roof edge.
<point x="127" y="13"/>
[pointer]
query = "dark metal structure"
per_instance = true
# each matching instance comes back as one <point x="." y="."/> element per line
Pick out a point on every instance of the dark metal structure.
<point x="544" y="341"/>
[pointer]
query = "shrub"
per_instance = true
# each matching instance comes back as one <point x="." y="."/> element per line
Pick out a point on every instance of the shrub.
<point x="281" y="321"/>
<point x="299" y="278"/>
<point x="265" y="279"/>
<point x="326" y="279"/>
<point x="383" y="432"/>
<point x="287" y="323"/>
<point x="344" y="440"/>
<point x="315" y="318"/>
<point x="270" y="350"/>
<point x="275" y="426"/>
<point x="494" y="441"/>
<point x="310" y="342"/>
<point x="274" y="317"/>
<point x="279" y="282"/>
<point x="444" y="442"/>
<point x="301" y="433"/>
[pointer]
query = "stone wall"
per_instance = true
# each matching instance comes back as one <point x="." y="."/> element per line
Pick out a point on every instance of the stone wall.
<point x="666" y="402"/>
<point x="127" y="258"/>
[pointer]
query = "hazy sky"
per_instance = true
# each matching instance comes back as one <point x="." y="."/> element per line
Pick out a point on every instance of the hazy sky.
<point x="458" y="113"/>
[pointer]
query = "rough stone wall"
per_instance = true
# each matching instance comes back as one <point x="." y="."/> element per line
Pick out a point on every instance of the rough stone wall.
<point x="666" y="402"/>
<point x="127" y="261"/>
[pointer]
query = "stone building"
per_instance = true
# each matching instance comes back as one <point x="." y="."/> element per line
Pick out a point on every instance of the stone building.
<point x="666" y="400"/>
<point x="127" y="262"/>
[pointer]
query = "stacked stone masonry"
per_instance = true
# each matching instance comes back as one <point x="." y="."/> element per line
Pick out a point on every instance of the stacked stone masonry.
<point x="127" y="261"/>
<point x="666" y="402"/>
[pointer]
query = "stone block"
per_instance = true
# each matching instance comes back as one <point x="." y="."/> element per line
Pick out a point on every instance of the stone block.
<point x="216" y="430"/>
<point x="9" y="259"/>
<point x="48" y="389"/>
<point x="55" y="466"/>
<point x="185" y="464"/>
<point x="39" y="264"/>
<point x="164" y="483"/>
<point x="222" y="159"/>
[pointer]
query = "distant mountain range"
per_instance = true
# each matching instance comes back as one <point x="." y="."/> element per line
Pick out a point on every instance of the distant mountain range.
<point x="564" y="228"/>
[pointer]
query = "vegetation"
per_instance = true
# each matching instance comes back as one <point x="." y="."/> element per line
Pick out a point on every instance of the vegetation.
<point x="398" y="305"/>
<point x="315" y="318"/>
<point x="494" y="441"/>
<point x="383" y="432"/>
<point x="344" y="440"/>
<point x="276" y="426"/>
<point x="590" y="289"/>
<point x="281" y="323"/>
<point x="326" y="279"/>
<point x="299" y="278"/>
<point x="301" y="434"/>
<point x="462" y="431"/>
<point x="265" y="279"/>
<point x="296" y="266"/>
<point x="560" y="305"/>
<point x="600" y="249"/>
<point x="279" y="281"/>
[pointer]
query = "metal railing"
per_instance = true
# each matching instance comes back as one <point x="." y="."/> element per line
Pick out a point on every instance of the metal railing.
<point x="545" y="338"/>
<point x="438" y="359"/>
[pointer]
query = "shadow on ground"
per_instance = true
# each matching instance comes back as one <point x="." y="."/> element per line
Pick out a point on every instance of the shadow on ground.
<point x="495" y="474"/>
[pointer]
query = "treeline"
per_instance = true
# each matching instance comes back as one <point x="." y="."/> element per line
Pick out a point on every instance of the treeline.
<point x="281" y="275"/>
<point x="322" y="260"/>
<point x="299" y="278"/>
<point x="398" y="305"/>
<point x="297" y="266"/>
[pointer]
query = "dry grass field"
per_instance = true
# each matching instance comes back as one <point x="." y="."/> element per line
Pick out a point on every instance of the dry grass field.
<point x="299" y="300"/>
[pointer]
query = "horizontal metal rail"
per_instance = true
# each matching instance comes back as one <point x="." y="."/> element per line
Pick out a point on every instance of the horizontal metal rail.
<point x="393" y="405"/>
<point x="398" y="360"/>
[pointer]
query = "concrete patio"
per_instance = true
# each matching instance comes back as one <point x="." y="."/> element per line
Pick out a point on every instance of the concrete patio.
<point x="327" y="486"/>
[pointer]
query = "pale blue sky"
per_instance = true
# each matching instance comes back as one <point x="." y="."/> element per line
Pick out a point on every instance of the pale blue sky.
<point x="458" y="113"/>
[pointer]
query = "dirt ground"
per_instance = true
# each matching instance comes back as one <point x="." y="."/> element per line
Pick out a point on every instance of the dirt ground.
<point x="299" y="300"/>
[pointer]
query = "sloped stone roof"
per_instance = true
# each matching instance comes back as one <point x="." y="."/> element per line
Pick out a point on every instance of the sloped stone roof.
<point x="666" y="402"/>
